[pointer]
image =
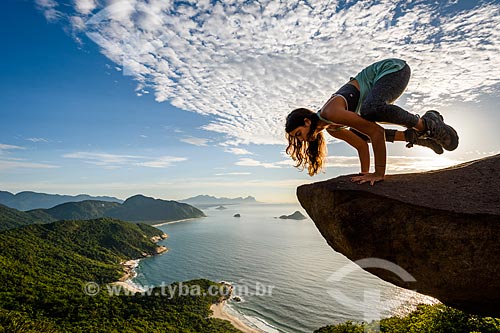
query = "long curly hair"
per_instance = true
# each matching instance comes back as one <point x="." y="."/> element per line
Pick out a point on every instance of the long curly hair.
<point x="310" y="153"/>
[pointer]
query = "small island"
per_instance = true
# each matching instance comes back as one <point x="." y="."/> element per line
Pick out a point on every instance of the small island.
<point x="236" y="215"/>
<point x="295" y="216"/>
<point x="221" y="208"/>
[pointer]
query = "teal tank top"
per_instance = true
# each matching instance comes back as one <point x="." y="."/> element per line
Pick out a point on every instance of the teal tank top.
<point x="368" y="76"/>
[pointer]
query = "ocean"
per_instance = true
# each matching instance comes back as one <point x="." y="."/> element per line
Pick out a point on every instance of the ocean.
<point x="281" y="270"/>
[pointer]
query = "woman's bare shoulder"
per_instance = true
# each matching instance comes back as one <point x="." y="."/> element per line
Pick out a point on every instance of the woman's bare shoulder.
<point x="335" y="104"/>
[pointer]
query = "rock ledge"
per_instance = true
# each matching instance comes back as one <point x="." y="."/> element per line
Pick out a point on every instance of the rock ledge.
<point x="442" y="227"/>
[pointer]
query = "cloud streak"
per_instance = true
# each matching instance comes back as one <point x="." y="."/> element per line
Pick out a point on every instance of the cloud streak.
<point x="250" y="162"/>
<point x="233" y="174"/>
<point x="16" y="164"/>
<point x="238" y="151"/>
<point x="36" y="140"/>
<point x="396" y="164"/>
<point x="200" y="142"/>
<point x="248" y="64"/>
<point x="6" y="147"/>
<point x="114" y="161"/>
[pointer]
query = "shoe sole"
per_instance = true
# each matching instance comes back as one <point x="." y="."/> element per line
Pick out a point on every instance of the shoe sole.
<point x="435" y="147"/>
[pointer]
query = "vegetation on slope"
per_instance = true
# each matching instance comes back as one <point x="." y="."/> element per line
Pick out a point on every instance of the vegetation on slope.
<point x="45" y="268"/>
<point x="13" y="218"/>
<point x="426" y="319"/>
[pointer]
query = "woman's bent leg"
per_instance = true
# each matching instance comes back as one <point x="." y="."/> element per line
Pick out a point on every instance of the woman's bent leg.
<point x="377" y="105"/>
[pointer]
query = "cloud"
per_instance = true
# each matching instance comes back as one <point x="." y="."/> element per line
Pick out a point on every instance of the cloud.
<point x="342" y="162"/>
<point x="238" y="151"/>
<point x="396" y="164"/>
<point x="103" y="158"/>
<point x="7" y="163"/>
<point x="4" y="147"/>
<point x="247" y="64"/>
<point x="48" y="8"/>
<point x="113" y="161"/>
<point x="254" y="163"/>
<point x="85" y="6"/>
<point x="195" y="141"/>
<point x="77" y="23"/>
<point x="162" y="162"/>
<point x="16" y="164"/>
<point x="399" y="164"/>
<point x="37" y="140"/>
<point x="233" y="174"/>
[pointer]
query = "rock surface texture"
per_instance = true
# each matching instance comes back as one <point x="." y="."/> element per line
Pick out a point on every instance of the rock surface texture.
<point x="442" y="227"/>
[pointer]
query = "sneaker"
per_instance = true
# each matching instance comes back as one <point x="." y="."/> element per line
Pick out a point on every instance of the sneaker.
<point x="429" y="143"/>
<point x="412" y="137"/>
<point x="436" y="129"/>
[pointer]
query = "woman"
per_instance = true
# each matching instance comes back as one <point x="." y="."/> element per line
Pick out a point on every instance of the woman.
<point x="362" y="102"/>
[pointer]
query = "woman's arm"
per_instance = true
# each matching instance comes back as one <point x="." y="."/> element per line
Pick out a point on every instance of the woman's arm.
<point x="372" y="129"/>
<point x="358" y="143"/>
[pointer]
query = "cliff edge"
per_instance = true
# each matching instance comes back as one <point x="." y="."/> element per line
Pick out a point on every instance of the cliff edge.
<point x="442" y="227"/>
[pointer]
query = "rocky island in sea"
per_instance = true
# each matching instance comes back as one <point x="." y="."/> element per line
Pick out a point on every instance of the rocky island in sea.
<point x="295" y="216"/>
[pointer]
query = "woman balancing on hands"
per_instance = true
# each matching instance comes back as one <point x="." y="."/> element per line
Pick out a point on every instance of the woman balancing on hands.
<point x="351" y="114"/>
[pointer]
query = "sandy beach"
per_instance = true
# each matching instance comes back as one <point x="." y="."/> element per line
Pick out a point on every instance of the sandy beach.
<point x="125" y="281"/>
<point x="176" y="221"/>
<point x="129" y="286"/>
<point x="220" y="313"/>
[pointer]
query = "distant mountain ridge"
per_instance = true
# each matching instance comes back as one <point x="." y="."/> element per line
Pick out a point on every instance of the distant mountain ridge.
<point x="204" y="200"/>
<point x="135" y="209"/>
<point x="28" y="200"/>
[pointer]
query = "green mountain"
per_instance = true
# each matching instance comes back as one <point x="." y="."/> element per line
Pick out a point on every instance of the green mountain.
<point x="135" y="209"/>
<point x="28" y="200"/>
<point x="149" y="210"/>
<point x="12" y="218"/>
<point x="46" y="269"/>
<point x="84" y="210"/>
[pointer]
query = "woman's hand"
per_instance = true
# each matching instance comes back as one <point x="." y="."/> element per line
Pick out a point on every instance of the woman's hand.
<point x="369" y="177"/>
<point x="374" y="131"/>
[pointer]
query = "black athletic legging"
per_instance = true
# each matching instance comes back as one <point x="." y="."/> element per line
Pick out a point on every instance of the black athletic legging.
<point x="378" y="103"/>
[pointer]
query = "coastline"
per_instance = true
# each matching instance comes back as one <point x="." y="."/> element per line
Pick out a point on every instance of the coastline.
<point x="176" y="221"/>
<point x="129" y="267"/>
<point x="129" y="286"/>
<point x="125" y="281"/>
<point x="220" y="313"/>
<point x="218" y="310"/>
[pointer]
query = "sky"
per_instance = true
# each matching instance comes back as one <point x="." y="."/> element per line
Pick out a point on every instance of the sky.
<point x="172" y="99"/>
